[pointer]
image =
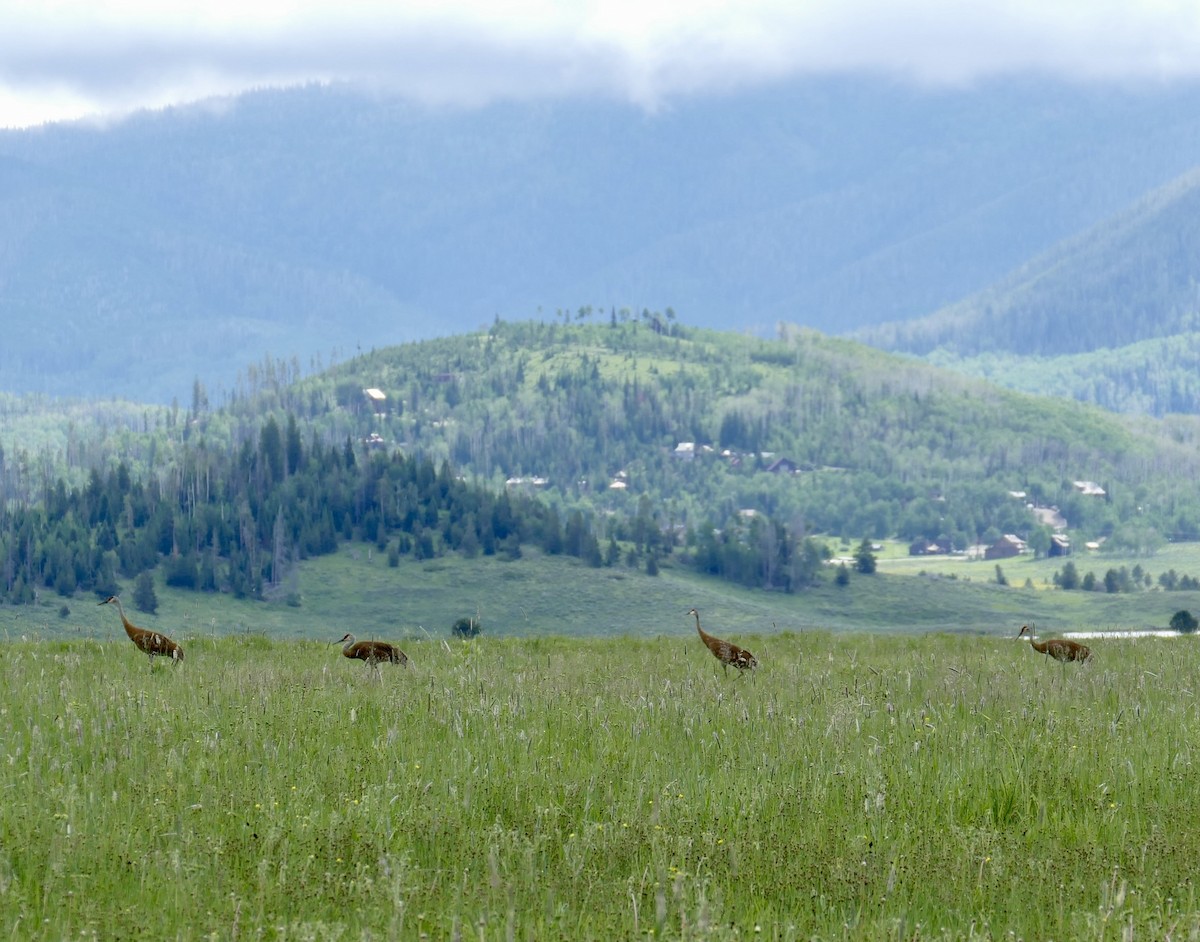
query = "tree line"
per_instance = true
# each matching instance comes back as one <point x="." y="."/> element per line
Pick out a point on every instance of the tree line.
<point x="230" y="498"/>
<point x="238" y="520"/>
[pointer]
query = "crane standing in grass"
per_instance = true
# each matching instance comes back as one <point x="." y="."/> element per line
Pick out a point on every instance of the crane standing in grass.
<point x="726" y="652"/>
<point x="152" y="643"/>
<point x="1058" y="648"/>
<point x="373" y="652"/>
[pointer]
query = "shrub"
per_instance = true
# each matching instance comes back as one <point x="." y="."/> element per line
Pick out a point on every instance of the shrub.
<point x="1184" y="622"/>
<point x="466" y="628"/>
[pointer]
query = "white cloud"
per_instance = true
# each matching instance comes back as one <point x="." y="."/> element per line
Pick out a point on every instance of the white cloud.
<point x="64" y="59"/>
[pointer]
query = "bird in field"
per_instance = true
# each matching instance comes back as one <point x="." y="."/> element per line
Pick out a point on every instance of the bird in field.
<point x="1058" y="648"/>
<point x="153" y="643"/>
<point x="726" y="652"/>
<point x="373" y="652"/>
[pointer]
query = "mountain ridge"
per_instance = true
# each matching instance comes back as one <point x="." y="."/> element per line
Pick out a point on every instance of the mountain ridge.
<point x="297" y="223"/>
<point x="1132" y="277"/>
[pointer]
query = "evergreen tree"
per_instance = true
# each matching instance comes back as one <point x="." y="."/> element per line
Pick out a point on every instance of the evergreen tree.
<point x="145" y="599"/>
<point x="864" y="557"/>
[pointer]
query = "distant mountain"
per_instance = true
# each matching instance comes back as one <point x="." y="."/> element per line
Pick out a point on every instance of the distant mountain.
<point x="190" y="242"/>
<point x="1111" y="316"/>
<point x="1153" y="377"/>
<point x="1133" y="277"/>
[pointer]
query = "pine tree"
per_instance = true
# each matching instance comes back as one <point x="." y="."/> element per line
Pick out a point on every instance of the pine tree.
<point x="145" y="599"/>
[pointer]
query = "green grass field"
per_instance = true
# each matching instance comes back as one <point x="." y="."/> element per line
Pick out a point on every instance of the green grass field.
<point x="857" y="786"/>
<point x="538" y="596"/>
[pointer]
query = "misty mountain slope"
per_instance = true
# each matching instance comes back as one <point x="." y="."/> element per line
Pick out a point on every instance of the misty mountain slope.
<point x="1151" y="377"/>
<point x="1134" y="277"/>
<point x="196" y="240"/>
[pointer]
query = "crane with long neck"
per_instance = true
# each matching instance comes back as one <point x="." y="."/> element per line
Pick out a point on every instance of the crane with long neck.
<point x="1061" y="649"/>
<point x="728" y="653"/>
<point x="373" y="653"/>
<point x="153" y="643"/>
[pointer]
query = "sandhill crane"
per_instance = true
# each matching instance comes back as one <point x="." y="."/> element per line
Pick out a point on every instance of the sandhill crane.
<point x="152" y="643"/>
<point x="725" y="651"/>
<point x="373" y="652"/>
<point x="1058" y="648"/>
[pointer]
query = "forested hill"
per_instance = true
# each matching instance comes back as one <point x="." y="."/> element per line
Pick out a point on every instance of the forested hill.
<point x="139" y="255"/>
<point x="604" y="438"/>
<point x="1134" y="277"/>
<point x="822" y="433"/>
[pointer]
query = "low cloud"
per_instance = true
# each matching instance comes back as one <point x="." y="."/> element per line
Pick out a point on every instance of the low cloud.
<point x="64" y="59"/>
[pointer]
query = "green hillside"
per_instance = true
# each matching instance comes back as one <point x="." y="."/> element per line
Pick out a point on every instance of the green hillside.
<point x="477" y="480"/>
<point x="1152" y="377"/>
<point x="878" y="445"/>
<point x="1107" y="317"/>
<point x="1131" y="278"/>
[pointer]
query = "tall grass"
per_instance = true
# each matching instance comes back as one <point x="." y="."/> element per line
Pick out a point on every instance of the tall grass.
<point x="855" y="787"/>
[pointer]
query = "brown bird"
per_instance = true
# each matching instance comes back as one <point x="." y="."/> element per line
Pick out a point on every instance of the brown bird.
<point x="726" y="652"/>
<point x="152" y="643"/>
<point x="1058" y="648"/>
<point x="373" y="652"/>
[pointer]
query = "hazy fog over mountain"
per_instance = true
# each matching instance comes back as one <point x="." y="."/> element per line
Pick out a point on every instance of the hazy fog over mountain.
<point x="832" y="167"/>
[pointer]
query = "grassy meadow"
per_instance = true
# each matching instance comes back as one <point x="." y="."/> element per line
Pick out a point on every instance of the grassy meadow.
<point x="857" y="786"/>
<point x="554" y="596"/>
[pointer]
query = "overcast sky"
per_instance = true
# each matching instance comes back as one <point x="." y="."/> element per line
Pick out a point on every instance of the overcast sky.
<point x="63" y="59"/>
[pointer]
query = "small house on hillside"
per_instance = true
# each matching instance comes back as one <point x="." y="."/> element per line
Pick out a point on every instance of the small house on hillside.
<point x="1005" y="548"/>
<point x="377" y="399"/>
<point x="783" y="466"/>
<point x="1060" y="545"/>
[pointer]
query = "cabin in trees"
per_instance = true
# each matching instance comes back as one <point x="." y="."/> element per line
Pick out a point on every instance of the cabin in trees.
<point x="1006" y="547"/>
<point x="924" y="547"/>
<point x="1060" y="545"/>
<point x="527" y="482"/>
<point x="376" y="399"/>
<point x="783" y="466"/>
